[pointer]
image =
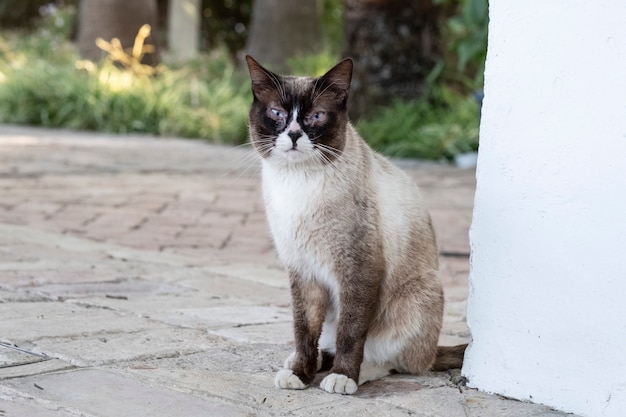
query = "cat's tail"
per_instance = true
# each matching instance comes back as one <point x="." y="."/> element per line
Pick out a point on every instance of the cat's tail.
<point x="449" y="357"/>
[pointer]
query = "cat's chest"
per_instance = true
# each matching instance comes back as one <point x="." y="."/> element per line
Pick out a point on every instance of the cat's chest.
<point x="291" y="200"/>
<point x="297" y="213"/>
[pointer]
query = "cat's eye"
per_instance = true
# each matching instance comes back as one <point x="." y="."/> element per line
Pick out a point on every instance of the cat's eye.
<point x="278" y="116"/>
<point x="315" y="118"/>
<point x="277" y="113"/>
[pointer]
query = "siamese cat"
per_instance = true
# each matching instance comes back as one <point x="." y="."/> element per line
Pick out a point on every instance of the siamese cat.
<point x="353" y="233"/>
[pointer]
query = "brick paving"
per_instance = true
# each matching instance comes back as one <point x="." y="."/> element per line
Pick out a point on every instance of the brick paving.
<point x="145" y="266"/>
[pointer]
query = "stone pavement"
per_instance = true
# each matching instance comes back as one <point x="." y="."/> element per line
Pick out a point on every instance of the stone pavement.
<point x="138" y="278"/>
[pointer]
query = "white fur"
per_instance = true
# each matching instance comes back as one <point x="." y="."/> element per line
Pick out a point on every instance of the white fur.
<point x="288" y="195"/>
<point x="371" y="372"/>
<point x="290" y="358"/>
<point x="337" y="383"/>
<point x="285" y="378"/>
<point x="382" y="350"/>
<point x="328" y="338"/>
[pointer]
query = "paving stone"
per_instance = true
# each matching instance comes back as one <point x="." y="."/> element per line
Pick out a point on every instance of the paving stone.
<point x="27" y="322"/>
<point x="281" y="333"/>
<point x="258" y="389"/>
<point x="120" y="289"/>
<point x="144" y="267"/>
<point x="34" y="368"/>
<point x="225" y="316"/>
<point x="228" y="285"/>
<point x="259" y="273"/>
<point x="17" y="406"/>
<point x="106" y="347"/>
<point x="102" y="393"/>
<point x="12" y="356"/>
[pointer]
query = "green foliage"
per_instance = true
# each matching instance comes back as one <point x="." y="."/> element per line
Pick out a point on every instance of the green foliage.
<point x="57" y="22"/>
<point x="445" y="121"/>
<point x="438" y="127"/>
<point x="312" y="65"/>
<point x="43" y="82"/>
<point x="51" y="87"/>
<point x="332" y="25"/>
<point x="464" y="32"/>
<point x="209" y="99"/>
<point x="470" y="31"/>
<point x="20" y="13"/>
<point x="225" y="22"/>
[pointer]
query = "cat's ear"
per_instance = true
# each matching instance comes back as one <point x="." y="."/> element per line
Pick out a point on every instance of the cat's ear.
<point x="263" y="80"/>
<point x="337" y="80"/>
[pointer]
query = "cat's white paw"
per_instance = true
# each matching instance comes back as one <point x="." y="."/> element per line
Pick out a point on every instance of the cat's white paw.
<point x="290" y="359"/>
<point x="337" y="383"/>
<point x="286" y="379"/>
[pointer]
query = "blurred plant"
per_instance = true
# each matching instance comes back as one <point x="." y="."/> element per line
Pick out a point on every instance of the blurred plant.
<point x="57" y="19"/>
<point x="332" y="25"/>
<point x="464" y="31"/>
<point x="469" y="29"/>
<point x="48" y="39"/>
<point x="131" y="62"/>
<point x="43" y="83"/>
<point x="27" y="13"/>
<point x="438" y="127"/>
<point x="313" y="65"/>
<point x="207" y="98"/>
<point x="225" y="23"/>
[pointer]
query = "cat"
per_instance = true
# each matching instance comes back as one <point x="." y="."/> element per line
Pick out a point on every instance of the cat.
<point x="353" y="234"/>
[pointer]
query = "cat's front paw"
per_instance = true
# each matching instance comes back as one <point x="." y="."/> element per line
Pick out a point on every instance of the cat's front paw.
<point x="339" y="384"/>
<point x="286" y="379"/>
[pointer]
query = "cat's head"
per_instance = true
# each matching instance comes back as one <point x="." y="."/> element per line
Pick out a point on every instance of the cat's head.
<point x="297" y="120"/>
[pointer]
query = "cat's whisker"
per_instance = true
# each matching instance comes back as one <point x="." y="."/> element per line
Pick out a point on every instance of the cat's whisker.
<point x="246" y="160"/>
<point x="249" y="161"/>
<point x="228" y="153"/>
<point x="243" y="165"/>
<point x="338" y="155"/>
<point x="336" y="164"/>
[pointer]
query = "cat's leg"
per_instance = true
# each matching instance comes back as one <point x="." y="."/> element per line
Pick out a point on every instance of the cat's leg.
<point x="420" y="350"/>
<point x="291" y="358"/>
<point x="355" y="316"/>
<point x="310" y="301"/>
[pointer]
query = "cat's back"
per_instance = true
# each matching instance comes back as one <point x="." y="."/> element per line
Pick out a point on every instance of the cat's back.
<point x="404" y="219"/>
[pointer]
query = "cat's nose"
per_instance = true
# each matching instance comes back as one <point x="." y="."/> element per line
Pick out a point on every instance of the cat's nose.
<point x="294" y="135"/>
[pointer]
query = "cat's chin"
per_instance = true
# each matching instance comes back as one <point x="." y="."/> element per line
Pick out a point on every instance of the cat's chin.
<point x="293" y="157"/>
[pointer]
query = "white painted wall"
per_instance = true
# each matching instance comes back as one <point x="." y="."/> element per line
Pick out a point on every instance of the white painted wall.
<point x="547" y="303"/>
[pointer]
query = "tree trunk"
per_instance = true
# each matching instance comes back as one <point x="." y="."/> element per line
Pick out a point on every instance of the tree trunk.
<point x="394" y="45"/>
<point x="121" y="19"/>
<point x="282" y="29"/>
<point x="183" y="29"/>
